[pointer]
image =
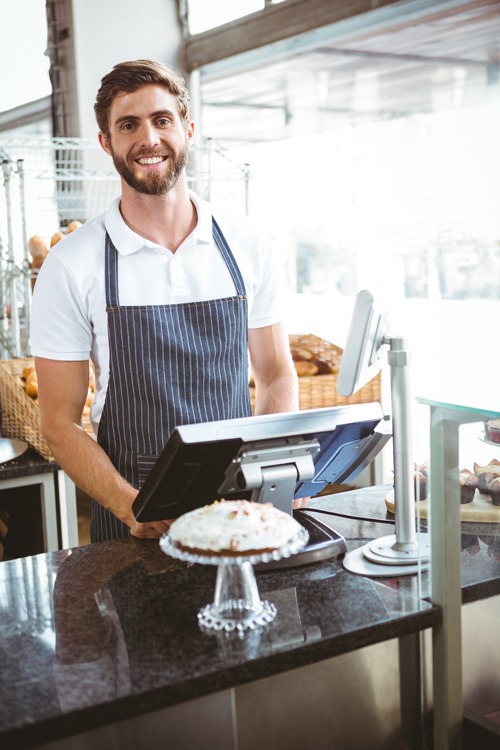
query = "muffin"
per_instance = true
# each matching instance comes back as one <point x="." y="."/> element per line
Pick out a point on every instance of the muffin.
<point x="486" y="474"/>
<point x="420" y="479"/>
<point x="492" y="430"/>
<point x="494" y="488"/>
<point x="469" y="483"/>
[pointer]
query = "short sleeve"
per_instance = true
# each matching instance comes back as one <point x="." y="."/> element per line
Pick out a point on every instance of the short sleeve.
<point x="59" y="327"/>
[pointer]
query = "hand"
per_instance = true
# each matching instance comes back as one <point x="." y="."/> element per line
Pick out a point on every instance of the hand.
<point x="300" y="502"/>
<point x="150" y="530"/>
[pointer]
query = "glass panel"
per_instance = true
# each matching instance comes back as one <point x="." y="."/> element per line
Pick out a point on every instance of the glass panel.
<point x="29" y="59"/>
<point x="474" y="463"/>
<point x="205" y="15"/>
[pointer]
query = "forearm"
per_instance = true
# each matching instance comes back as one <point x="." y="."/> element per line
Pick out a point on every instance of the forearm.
<point x="281" y="394"/>
<point x="89" y="467"/>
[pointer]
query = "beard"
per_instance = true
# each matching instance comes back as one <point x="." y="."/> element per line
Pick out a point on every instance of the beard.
<point x="152" y="183"/>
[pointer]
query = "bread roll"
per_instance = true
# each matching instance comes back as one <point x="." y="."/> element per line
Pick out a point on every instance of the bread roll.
<point x="302" y="355"/>
<point x="325" y="367"/>
<point x="91" y="377"/>
<point x="56" y="237"/>
<point x="75" y="224"/>
<point x="305" y="368"/>
<point x="32" y="385"/>
<point x="37" y="248"/>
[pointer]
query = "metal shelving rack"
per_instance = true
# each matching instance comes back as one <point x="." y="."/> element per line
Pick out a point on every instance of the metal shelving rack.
<point x="46" y="183"/>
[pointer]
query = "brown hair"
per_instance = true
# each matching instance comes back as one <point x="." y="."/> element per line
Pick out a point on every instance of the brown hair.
<point x="127" y="77"/>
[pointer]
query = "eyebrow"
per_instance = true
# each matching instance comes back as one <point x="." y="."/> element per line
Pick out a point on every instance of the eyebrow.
<point x="134" y="118"/>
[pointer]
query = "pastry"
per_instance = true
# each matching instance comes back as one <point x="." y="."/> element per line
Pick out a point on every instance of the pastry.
<point x="486" y="473"/>
<point x="420" y="479"/>
<point x="302" y="355"/>
<point x="56" y="237"/>
<point x="494" y="488"/>
<point x="233" y="527"/>
<point x="75" y="224"/>
<point x="492" y="429"/>
<point x="324" y="367"/>
<point x="468" y="485"/>
<point x="305" y="369"/>
<point x="38" y="250"/>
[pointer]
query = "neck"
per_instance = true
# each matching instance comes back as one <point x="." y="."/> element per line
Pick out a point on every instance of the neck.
<point x="164" y="219"/>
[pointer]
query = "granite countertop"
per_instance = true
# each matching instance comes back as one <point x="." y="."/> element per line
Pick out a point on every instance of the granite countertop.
<point x="480" y="542"/>
<point x="29" y="464"/>
<point x="66" y="617"/>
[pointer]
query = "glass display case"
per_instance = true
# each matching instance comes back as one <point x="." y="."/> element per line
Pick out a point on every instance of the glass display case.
<point x="463" y="509"/>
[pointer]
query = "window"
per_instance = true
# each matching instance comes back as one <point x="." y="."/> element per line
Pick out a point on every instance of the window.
<point x="203" y="15"/>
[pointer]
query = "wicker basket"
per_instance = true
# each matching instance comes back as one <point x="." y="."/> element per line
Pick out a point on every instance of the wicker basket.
<point x="20" y="416"/>
<point x="317" y="391"/>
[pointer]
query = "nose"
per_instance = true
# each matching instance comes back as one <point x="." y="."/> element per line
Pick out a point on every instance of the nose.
<point x="148" y="135"/>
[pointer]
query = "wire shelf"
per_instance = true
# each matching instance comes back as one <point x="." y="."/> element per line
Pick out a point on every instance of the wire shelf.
<point x="49" y="182"/>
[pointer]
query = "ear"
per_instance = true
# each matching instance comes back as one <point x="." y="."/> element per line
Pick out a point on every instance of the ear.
<point x="105" y="142"/>
<point x="190" y="133"/>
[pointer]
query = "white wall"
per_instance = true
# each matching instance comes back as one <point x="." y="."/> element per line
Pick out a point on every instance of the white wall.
<point x="107" y="32"/>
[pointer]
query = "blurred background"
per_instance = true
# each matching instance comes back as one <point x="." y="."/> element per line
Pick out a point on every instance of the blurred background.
<point x="365" y="140"/>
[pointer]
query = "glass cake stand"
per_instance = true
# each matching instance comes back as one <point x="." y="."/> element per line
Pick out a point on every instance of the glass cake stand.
<point x="237" y="605"/>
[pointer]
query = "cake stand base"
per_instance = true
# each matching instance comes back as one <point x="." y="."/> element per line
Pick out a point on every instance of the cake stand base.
<point x="236" y="605"/>
<point x="236" y="616"/>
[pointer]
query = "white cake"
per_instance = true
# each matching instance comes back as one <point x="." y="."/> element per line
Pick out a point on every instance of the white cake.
<point x="234" y="527"/>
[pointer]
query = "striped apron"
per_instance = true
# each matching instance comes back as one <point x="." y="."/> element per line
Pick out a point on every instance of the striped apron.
<point x="169" y="365"/>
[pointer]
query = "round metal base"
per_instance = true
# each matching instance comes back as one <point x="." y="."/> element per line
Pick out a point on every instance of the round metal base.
<point x="356" y="562"/>
<point x="385" y="551"/>
<point x="386" y="562"/>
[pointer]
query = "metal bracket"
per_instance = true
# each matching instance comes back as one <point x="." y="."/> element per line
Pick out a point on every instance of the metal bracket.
<point x="272" y="472"/>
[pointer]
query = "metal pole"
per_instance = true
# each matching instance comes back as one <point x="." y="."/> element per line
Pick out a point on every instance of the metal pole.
<point x="26" y="260"/>
<point x="11" y="267"/>
<point x="246" y="171"/>
<point x="404" y="494"/>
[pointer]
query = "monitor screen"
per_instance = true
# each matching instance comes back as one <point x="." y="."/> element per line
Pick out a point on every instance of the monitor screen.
<point x="208" y="461"/>
<point x="362" y="356"/>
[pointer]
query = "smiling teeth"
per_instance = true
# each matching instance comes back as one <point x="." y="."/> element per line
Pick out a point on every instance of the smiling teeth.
<point x="150" y="160"/>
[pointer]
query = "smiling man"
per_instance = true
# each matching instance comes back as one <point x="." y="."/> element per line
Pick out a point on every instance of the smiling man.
<point x="166" y="294"/>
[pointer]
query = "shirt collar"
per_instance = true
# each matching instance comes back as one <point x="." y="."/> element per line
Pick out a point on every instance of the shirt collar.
<point x="203" y="229"/>
<point x="127" y="241"/>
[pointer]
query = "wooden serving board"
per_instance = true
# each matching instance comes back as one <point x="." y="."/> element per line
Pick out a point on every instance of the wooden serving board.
<point x="480" y="510"/>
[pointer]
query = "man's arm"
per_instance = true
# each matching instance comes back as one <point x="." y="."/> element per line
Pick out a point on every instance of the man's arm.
<point x="276" y="384"/>
<point x="62" y="391"/>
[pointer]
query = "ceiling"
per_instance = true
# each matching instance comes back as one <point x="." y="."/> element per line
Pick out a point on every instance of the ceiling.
<point x="393" y="66"/>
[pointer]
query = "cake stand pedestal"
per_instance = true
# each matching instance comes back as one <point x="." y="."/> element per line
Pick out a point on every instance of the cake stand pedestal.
<point x="237" y="605"/>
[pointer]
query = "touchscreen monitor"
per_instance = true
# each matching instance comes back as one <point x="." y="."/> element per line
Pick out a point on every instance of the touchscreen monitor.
<point x="208" y="461"/>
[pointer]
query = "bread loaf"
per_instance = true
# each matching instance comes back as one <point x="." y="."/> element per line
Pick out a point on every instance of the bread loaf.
<point x="56" y="237"/>
<point x="37" y="248"/>
<point x="75" y="224"/>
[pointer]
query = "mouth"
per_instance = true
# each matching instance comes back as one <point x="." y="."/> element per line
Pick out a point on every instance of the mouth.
<point x="147" y="161"/>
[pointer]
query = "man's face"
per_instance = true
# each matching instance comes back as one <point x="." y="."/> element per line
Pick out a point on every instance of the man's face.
<point x="148" y="141"/>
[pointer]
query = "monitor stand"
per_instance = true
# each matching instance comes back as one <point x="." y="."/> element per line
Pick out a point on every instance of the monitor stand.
<point x="406" y="552"/>
<point x="277" y="485"/>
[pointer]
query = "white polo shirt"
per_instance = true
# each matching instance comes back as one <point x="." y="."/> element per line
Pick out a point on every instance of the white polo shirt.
<point x="69" y="319"/>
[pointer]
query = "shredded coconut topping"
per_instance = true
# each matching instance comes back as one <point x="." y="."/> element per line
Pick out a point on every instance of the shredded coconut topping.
<point x="234" y="525"/>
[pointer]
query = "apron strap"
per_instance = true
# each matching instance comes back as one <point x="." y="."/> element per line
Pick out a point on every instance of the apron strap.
<point x="228" y="256"/>
<point x="111" y="274"/>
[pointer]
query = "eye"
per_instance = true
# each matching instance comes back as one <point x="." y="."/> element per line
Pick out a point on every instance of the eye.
<point x="128" y="126"/>
<point x="163" y="122"/>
